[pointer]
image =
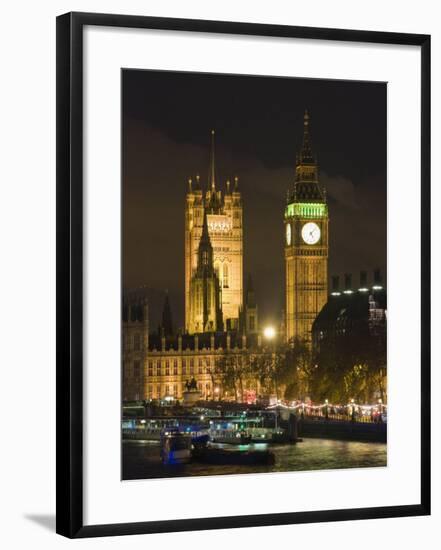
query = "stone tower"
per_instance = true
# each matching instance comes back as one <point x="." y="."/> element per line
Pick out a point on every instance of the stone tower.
<point x="306" y="244"/>
<point x="224" y="220"/>
<point x="205" y="311"/>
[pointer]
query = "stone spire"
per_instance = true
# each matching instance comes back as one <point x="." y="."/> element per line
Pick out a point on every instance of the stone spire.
<point x="167" y="322"/>
<point x="205" y="306"/>
<point x="213" y="197"/>
<point x="212" y="165"/>
<point x="306" y="156"/>
<point x="205" y="251"/>
<point x="306" y="186"/>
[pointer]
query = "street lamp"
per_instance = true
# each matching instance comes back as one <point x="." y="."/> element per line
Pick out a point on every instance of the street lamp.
<point x="269" y="332"/>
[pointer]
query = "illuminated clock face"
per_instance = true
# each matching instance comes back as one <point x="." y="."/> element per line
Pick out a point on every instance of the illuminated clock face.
<point x="311" y="233"/>
<point x="288" y="234"/>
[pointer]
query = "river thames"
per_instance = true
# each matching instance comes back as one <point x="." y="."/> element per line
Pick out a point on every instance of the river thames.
<point x="141" y="459"/>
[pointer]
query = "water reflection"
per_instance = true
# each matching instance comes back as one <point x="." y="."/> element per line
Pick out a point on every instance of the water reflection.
<point x="141" y="459"/>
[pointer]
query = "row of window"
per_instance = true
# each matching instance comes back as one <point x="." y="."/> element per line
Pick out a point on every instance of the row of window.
<point x="190" y="362"/>
<point x="162" y="390"/>
<point x="189" y="366"/>
<point x="166" y="370"/>
<point x="136" y="372"/>
<point x="170" y="367"/>
<point x="134" y="343"/>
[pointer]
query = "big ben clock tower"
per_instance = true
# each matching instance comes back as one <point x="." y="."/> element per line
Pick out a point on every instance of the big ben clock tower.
<point x="306" y="244"/>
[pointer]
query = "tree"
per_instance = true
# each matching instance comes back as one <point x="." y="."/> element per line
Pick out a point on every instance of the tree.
<point x="264" y="367"/>
<point x="297" y="370"/>
<point x="284" y="369"/>
<point x="351" y="364"/>
<point x="231" y="369"/>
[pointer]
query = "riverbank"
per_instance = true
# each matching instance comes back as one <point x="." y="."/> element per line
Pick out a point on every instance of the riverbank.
<point x="342" y="430"/>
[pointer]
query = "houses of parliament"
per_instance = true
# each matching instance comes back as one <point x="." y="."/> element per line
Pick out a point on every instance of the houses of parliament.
<point x="221" y="316"/>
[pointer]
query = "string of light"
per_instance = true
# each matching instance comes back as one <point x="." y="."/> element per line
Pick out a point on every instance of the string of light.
<point x="304" y="406"/>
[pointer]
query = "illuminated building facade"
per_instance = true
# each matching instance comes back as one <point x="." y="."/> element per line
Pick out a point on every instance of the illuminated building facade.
<point x="158" y="365"/>
<point x="172" y="362"/>
<point x="219" y="324"/>
<point x="306" y="245"/>
<point x="224" y="221"/>
<point x="205" y="306"/>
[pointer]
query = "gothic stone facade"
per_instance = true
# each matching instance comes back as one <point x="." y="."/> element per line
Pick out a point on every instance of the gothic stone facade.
<point x="224" y="220"/>
<point x="216" y="322"/>
<point x="205" y="306"/>
<point x="166" y="364"/>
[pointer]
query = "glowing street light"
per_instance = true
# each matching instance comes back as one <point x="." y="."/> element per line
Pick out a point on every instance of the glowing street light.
<point x="269" y="332"/>
<point x="216" y="392"/>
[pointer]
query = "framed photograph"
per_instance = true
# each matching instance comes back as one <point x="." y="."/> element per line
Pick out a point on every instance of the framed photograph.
<point x="243" y="274"/>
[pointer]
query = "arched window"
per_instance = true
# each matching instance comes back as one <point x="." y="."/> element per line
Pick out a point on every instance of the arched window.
<point x="225" y="277"/>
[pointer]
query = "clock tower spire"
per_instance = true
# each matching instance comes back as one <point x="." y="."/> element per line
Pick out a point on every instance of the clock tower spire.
<point x="306" y="184"/>
<point x="306" y="243"/>
<point x="306" y="151"/>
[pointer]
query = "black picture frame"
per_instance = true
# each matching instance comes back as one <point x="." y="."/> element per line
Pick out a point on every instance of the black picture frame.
<point x="69" y="293"/>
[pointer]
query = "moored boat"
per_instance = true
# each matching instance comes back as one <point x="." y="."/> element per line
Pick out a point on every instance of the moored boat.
<point x="175" y="447"/>
<point x="232" y="437"/>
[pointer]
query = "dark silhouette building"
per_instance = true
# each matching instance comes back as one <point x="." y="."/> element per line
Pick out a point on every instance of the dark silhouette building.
<point x="167" y="319"/>
<point x="349" y="336"/>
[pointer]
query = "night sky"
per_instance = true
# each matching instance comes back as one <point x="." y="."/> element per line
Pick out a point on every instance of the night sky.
<point x="167" y="119"/>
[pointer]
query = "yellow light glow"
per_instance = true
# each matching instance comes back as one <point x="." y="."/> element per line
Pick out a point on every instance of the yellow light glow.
<point x="269" y="332"/>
